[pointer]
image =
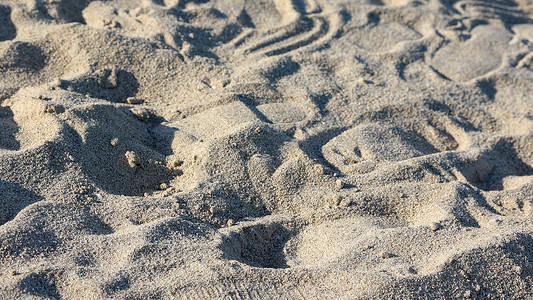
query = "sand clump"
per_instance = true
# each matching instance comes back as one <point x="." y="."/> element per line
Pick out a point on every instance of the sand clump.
<point x="132" y="159"/>
<point x="266" y="149"/>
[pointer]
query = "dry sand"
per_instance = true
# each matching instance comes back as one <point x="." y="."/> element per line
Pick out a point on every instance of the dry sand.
<point x="276" y="149"/>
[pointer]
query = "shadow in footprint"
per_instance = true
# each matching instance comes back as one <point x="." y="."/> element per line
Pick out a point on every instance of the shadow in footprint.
<point x="488" y="171"/>
<point x="20" y="55"/>
<point x="131" y="166"/>
<point x="117" y="285"/>
<point x="183" y="4"/>
<point x="321" y="100"/>
<point x="282" y="68"/>
<point x="13" y="199"/>
<point x="7" y="29"/>
<point x="507" y="163"/>
<point x="63" y="10"/>
<point x="259" y="245"/>
<point x="40" y="285"/>
<point x="521" y="252"/>
<point x="109" y="84"/>
<point x="312" y="146"/>
<point x="8" y="130"/>
<point x="488" y="88"/>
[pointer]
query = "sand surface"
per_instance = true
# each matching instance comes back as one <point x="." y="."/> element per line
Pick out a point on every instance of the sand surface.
<point x="266" y="149"/>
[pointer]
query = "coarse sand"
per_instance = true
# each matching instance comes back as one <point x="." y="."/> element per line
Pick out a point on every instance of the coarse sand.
<point x="266" y="149"/>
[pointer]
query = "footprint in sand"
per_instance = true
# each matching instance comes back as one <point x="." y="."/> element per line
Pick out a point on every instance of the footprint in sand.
<point x="479" y="55"/>
<point x="383" y="37"/>
<point x="24" y="128"/>
<point x="363" y="146"/>
<point x="377" y="142"/>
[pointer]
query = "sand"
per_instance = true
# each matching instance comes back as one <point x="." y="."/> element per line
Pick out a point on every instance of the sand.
<point x="269" y="149"/>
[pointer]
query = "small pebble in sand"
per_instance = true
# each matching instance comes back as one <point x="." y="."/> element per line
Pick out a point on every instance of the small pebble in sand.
<point x="132" y="159"/>
<point x="114" y="142"/>
<point x="170" y="191"/>
<point x="163" y="186"/>
<point x="175" y="164"/>
<point x="385" y="255"/>
<point x="435" y="226"/>
<point x="226" y="82"/>
<point x="318" y="169"/>
<point x="334" y="199"/>
<point x="49" y="108"/>
<point x="111" y="24"/>
<point x="361" y="80"/>
<point x="339" y="184"/>
<point x="187" y="50"/>
<point x="494" y="222"/>
<point x="230" y="222"/>
<point x="213" y="210"/>
<point x="133" y="100"/>
<point x="345" y="202"/>
<point x="141" y="114"/>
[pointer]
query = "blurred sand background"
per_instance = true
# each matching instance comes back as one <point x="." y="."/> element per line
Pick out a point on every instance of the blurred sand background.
<point x="266" y="149"/>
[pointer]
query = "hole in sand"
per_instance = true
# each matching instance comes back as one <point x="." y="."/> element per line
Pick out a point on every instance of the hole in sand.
<point x="258" y="245"/>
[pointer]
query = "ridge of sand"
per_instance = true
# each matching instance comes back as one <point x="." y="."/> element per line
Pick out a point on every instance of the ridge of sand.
<point x="276" y="149"/>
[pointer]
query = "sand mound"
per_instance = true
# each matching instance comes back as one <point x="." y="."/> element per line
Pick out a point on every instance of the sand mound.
<point x="266" y="149"/>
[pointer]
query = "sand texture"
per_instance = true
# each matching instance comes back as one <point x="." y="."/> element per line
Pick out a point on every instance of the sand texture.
<point x="266" y="149"/>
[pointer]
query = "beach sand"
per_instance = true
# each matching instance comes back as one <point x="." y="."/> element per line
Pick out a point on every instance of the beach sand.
<point x="266" y="149"/>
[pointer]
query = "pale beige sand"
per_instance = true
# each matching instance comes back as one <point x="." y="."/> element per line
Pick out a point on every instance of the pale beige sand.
<point x="275" y="149"/>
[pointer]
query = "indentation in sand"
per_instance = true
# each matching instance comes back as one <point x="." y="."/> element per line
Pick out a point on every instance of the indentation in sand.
<point x="299" y="149"/>
<point x="482" y="54"/>
<point x="258" y="244"/>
